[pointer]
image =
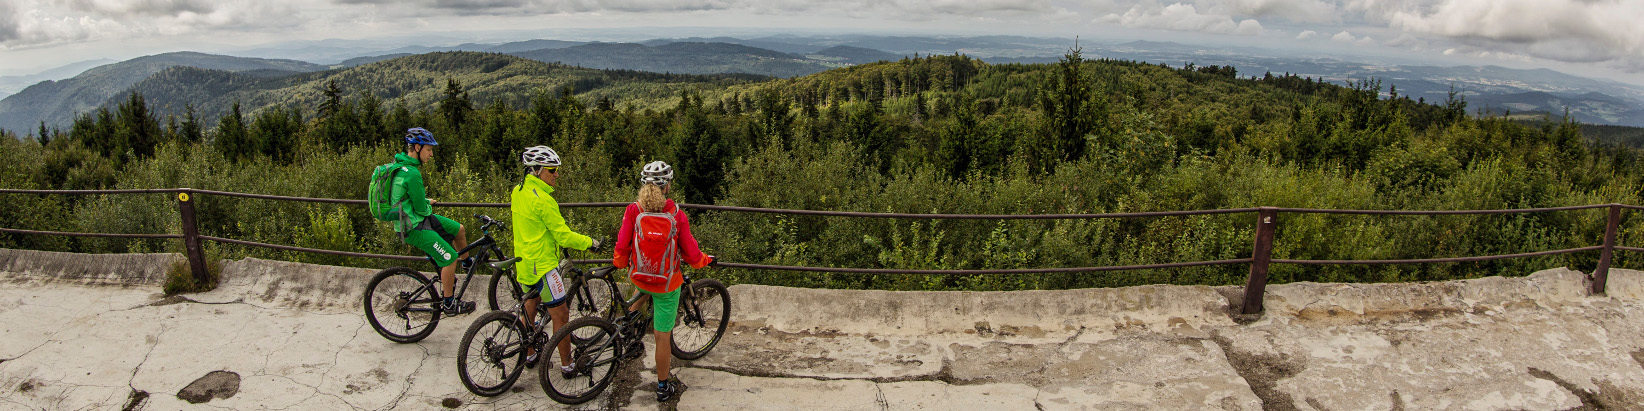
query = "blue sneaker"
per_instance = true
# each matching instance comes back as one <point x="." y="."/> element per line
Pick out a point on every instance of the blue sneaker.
<point x="667" y="390"/>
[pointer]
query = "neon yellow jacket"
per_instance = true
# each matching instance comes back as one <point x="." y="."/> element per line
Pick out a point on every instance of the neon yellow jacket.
<point x="539" y="230"/>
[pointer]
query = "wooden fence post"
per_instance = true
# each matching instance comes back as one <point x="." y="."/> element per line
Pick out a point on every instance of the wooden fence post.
<point x="191" y="238"/>
<point x="1256" y="285"/>
<point x="1602" y="273"/>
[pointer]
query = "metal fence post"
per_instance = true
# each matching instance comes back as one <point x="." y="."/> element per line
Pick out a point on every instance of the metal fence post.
<point x="191" y="238"/>
<point x="1602" y="273"/>
<point x="1256" y="285"/>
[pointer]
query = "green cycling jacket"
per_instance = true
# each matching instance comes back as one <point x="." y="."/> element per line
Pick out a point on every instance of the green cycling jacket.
<point x="540" y="230"/>
<point x="408" y="187"/>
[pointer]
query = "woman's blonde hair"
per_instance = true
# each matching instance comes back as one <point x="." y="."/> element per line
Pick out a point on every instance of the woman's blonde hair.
<point x="652" y="198"/>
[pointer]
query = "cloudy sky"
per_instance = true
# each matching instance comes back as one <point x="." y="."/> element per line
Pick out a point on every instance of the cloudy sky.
<point x="1593" y="37"/>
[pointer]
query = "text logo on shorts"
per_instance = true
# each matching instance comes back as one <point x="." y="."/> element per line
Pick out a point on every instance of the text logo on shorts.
<point x="443" y="254"/>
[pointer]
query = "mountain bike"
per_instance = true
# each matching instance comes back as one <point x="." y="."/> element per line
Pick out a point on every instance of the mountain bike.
<point x="403" y="305"/>
<point x="599" y="346"/>
<point x="492" y="353"/>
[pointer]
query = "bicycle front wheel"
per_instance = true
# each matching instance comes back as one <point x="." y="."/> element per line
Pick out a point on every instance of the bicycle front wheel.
<point x="401" y="305"/>
<point x="504" y="290"/>
<point x="597" y="297"/>
<point x="590" y="346"/>
<point x="492" y="354"/>
<point x="703" y="316"/>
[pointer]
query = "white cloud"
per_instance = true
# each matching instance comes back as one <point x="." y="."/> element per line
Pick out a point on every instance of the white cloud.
<point x="1583" y="31"/>
<point x="47" y="22"/>
<point x="1562" y="30"/>
<point x="1180" y="17"/>
<point x="1301" y="11"/>
<point x="8" y="23"/>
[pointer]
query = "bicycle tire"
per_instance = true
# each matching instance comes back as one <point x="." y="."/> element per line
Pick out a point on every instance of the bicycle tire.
<point x="504" y="290"/>
<point x="492" y="352"/>
<point x="394" y="302"/>
<point x="597" y="357"/>
<point x="700" y="324"/>
<point x="597" y="297"/>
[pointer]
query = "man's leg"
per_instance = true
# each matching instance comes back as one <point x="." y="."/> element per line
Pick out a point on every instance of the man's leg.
<point x="439" y="250"/>
<point x="530" y="318"/>
<point x="448" y="230"/>
<point x="448" y="278"/>
<point x="462" y="240"/>
<point x="560" y="315"/>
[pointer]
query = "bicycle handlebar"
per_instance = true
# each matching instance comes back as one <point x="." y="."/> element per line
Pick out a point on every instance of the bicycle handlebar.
<point x="486" y="222"/>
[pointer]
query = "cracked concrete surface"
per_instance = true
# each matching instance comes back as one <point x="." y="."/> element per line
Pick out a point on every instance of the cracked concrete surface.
<point x="90" y="336"/>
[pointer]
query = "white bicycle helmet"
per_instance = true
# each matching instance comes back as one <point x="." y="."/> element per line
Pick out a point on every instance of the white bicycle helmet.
<point x="539" y="156"/>
<point x="657" y="173"/>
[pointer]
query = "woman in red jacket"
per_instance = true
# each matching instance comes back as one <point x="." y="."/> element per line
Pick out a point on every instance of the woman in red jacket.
<point x="654" y="238"/>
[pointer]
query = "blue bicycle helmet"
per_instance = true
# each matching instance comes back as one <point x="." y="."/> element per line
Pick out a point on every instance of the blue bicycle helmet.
<point x="418" y="135"/>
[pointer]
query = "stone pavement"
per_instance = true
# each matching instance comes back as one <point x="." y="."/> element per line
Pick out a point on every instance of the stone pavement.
<point x="93" y="332"/>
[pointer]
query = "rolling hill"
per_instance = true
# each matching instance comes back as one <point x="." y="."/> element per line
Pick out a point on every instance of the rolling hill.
<point x="57" y="102"/>
<point x="681" y="57"/>
<point x="419" y="80"/>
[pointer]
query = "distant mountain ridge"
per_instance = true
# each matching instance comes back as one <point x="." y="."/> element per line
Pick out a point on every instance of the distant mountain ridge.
<point x="1488" y="87"/>
<point x="857" y="55"/>
<point x="537" y="44"/>
<point x="1589" y="108"/>
<point x="57" y="102"/>
<point x="12" y="84"/>
<point x="1492" y="88"/>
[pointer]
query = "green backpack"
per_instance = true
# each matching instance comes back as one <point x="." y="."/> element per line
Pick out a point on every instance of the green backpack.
<point x="379" y="196"/>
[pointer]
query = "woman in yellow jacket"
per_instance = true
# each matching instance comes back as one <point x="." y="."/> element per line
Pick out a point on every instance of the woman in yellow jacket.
<point x="539" y="233"/>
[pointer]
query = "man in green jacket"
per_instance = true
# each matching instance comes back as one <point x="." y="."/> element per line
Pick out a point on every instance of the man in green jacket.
<point x="420" y="227"/>
<point x="539" y="232"/>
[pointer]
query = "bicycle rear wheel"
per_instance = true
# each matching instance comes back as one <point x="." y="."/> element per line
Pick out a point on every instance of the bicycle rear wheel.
<point x="592" y="345"/>
<point x="492" y="354"/>
<point x="702" y="319"/>
<point x="400" y="303"/>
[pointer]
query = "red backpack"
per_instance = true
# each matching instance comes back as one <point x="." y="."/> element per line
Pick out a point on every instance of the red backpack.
<point x="656" y="255"/>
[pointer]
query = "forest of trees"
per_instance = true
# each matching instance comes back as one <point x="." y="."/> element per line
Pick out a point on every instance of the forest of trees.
<point x="937" y="134"/>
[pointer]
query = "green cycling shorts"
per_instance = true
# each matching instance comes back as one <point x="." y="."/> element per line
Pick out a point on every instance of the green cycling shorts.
<point x="433" y="236"/>
<point x="664" y="307"/>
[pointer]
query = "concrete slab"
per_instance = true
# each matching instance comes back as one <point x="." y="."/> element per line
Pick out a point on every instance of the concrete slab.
<point x="85" y="337"/>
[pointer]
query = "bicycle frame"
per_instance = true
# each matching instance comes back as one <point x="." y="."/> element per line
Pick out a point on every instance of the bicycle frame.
<point x="488" y="249"/>
<point x="627" y="324"/>
<point x="578" y="287"/>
